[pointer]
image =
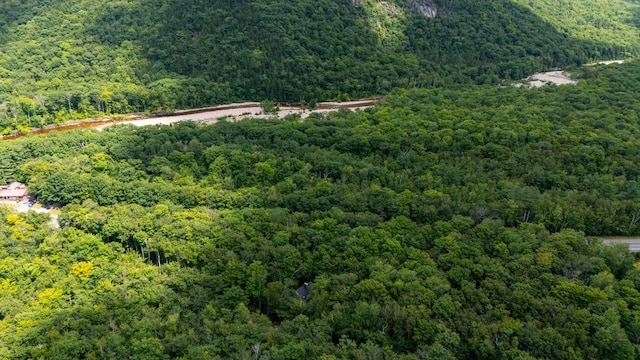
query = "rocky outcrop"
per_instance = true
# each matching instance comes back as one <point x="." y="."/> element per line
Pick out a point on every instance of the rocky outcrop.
<point x="423" y="7"/>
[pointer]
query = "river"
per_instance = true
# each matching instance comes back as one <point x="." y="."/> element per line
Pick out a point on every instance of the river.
<point x="238" y="111"/>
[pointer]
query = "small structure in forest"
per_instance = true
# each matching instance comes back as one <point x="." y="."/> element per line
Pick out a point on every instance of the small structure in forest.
<point x="303" y="291"/>
<point x="13" y="192"/>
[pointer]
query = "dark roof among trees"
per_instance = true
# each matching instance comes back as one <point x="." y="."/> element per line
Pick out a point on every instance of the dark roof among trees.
<point x="303" y="291"/>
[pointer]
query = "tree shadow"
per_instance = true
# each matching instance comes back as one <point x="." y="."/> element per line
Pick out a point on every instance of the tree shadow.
<point x="15" y="12"/>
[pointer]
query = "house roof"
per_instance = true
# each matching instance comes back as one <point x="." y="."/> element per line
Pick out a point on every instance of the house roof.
<point x="303" y="291"/>
<point x="6" y="193"/>
<point x="13" y="190"/>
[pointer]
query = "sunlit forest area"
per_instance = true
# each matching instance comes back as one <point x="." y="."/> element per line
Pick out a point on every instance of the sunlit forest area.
<point x="439" y="224"/>
<point x="460" y="217"/>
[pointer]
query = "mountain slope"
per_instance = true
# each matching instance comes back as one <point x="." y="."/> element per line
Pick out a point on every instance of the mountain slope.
<point x="73" y="59"/>
<point x="612" y="22"/>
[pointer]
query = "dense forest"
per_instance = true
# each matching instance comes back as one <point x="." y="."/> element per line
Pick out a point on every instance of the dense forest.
<point x="73" y="59"/>
<point x="447" y="223"/>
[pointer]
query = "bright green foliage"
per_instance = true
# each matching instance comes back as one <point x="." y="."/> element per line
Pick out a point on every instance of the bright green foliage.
<point x="440" y="224"/>
<point x="560" y="156"/>
<point x="602" y="21"/>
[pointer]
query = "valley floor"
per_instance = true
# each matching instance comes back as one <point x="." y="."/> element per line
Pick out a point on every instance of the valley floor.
<point x="245" y="110"/>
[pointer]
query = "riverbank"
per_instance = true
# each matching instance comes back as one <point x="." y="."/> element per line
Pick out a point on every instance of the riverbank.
<point x="557" y="76"/>
<point x="243" y="111"/>
<point x="236" y="111"/>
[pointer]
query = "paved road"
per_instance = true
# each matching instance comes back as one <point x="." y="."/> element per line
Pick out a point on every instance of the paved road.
<point x="634" y="243"/>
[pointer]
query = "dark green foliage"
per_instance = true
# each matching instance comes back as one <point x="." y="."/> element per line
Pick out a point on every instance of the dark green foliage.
<point x="65" y="60"/>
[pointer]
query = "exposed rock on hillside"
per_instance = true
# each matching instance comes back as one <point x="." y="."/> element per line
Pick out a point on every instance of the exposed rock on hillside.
<point x="423" y="7"/>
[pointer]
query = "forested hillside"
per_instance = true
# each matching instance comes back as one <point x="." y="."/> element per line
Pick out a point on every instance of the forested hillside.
<point x="61" y="60"/>
<point x="604" y="21"/>
<point x="439" y="224"/>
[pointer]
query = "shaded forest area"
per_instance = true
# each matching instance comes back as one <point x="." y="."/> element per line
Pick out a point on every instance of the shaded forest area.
<point x="83" y="58"/>
<point x="439" y="224"/>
